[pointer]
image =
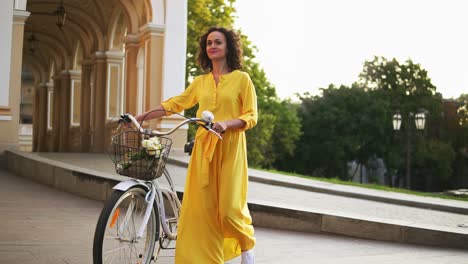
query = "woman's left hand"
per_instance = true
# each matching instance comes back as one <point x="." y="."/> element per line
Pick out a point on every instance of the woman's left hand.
<point x="220" y="127"/>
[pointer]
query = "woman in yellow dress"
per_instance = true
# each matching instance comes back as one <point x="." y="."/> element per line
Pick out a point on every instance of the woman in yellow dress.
<point x="215" y="223"/>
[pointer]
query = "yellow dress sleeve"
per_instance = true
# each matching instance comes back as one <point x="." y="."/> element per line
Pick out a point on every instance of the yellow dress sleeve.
<point x="183" y="101"/>
<point x="249" y="105"/>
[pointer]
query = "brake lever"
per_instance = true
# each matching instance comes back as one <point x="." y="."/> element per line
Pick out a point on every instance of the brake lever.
<point x="208" y="127"/>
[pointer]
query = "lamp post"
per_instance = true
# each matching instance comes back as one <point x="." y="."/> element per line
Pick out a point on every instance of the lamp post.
<point x="420" y="121"/>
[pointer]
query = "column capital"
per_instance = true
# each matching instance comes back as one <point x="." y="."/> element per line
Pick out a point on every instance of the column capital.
<point x="20" y="16"/>
<point x="151" y="30"/>
<point x="132" y="40"/>
<point x="87" y="65"/>
<point x="75" y="74"/>
<point x="115" y="54"/>
<point x="42" y="85"/>
<point x="65" y="74"/>
<point x="50" y="86"/>
<point x="98" y="56"/>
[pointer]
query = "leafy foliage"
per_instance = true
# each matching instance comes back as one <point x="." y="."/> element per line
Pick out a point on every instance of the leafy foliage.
<point x="408" y="86"/>
<point x="345" y="123"/>
<point x="433" y="164"/>
<point x="463" y="110"/>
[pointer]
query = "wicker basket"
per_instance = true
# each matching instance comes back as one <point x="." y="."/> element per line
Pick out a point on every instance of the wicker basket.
<point x="133" y="160"/>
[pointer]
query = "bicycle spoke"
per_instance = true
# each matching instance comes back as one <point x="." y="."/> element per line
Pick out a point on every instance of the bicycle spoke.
<point x="113" y="250"/>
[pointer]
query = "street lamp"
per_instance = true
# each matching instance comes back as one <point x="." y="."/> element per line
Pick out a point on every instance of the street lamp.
<point x="420" y="122"/>
<point x="396" y="121"/>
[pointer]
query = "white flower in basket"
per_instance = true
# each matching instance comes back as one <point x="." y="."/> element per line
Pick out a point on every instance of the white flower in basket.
<point x="151" y="149"/>
<point x="153" y="146"/>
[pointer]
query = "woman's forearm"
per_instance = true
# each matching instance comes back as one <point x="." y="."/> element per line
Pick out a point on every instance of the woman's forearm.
<point x="222" y="126"/>
<point x="235" y="123"/>
<point x="156" y="112"/>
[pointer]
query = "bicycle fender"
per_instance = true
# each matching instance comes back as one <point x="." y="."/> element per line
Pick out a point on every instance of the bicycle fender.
<point x="125" y="185"/>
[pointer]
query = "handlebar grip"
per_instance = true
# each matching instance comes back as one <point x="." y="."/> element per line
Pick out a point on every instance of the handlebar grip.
<point x="125" y="118"/>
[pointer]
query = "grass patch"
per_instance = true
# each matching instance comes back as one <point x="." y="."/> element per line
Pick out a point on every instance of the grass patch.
<point x="370" y="186"/>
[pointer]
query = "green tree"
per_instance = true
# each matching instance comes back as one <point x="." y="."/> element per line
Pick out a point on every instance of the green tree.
<point x="433" y="159"/>
<point x="410" y="90"/>
<point x="408" y="85"/>
<point x="344" y="124"/>
<point x="286" y="133"/>
<point x="461" y="143"/>
<point x="462" y="110"/>
<point x="259" y="141"/>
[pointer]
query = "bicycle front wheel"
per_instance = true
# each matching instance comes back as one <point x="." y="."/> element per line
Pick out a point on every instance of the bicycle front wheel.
<point x="115" y="238"/>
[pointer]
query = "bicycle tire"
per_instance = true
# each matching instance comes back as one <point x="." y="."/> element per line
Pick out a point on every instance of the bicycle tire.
<point x="126" y="246"/>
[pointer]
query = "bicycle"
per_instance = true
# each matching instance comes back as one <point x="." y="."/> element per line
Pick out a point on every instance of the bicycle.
<point x="129" y="225"/>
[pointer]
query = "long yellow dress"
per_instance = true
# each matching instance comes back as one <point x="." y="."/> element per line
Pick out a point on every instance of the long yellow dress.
<point x="215" y="223"/>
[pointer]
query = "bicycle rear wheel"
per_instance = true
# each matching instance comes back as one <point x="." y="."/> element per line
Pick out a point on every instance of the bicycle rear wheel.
<point x="115" y="238"/>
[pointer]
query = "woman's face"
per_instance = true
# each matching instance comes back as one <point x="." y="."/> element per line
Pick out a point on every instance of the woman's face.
<point x="216" y="46"/>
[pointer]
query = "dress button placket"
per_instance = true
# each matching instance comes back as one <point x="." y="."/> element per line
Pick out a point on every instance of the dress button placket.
<point x="215" y="95"/>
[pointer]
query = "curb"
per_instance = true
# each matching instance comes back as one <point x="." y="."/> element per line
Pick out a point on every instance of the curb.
<point x="360" y="195"/>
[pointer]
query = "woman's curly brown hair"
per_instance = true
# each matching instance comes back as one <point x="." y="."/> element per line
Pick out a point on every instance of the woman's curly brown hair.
<point x="233" y="53"/>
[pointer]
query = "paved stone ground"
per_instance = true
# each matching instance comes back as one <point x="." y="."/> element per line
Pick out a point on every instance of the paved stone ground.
<point x="41" y="225"/>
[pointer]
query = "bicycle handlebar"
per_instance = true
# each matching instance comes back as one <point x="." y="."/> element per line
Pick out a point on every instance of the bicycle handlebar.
<point x="207" y="118"/>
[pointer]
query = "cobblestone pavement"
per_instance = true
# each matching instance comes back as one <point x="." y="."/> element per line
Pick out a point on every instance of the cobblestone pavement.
<point x="41" y="225"/>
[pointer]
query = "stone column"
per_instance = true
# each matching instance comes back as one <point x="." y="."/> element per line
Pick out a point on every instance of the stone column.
<point x="74" y="135"/>
<point x="132" y="47"/>
<point x="64" y="126"/>
<point x="35" y="124"/>
<point x="153" y="41"/>
<point x="85" y="120"/>
<point x="56" y="113"/>
<point x="40" y="120"/>
<point x="50" y="116"/>
<point x="100" y="102"/>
